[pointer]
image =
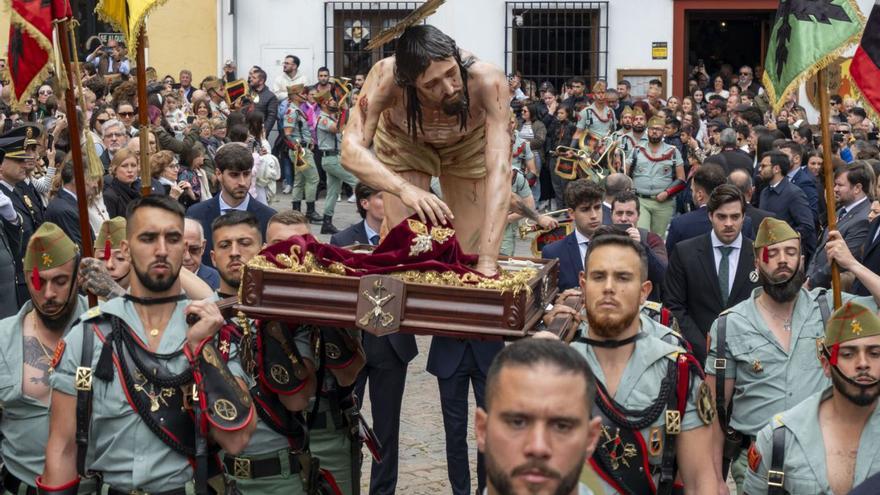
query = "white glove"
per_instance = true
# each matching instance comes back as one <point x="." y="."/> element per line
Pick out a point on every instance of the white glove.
<point x="7" y="211"/>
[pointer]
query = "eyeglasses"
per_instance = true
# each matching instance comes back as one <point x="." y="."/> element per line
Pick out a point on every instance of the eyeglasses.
<point x="102" y="121"/>
<point x="47" y="92"/>
<point x="125" y="114"/>
<point x="113" y="134"/>
<point x="194" y="250"/>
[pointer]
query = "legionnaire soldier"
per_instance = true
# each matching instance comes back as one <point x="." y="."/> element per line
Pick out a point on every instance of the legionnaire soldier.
<point x="147" y="388"/>
<point x="828" y="442"/>
<point x="30" y="342"/>
<point x="764" y="349"/>
<point x="299" y="141"/>
<point x="332" y="416"/>
<point x="276" y="461"/>
<point x="330" y="142"/>
<point x="597" y="119"/>
<point x="657" y="171"/>
<point x="655" y="409"/>
<point x="635" y="136"/>
<point x="108" y="248"/>
<point x="20" y="145"/>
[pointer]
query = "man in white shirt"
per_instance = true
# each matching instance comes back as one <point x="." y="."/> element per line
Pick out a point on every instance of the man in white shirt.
<point x="290" y="76"/>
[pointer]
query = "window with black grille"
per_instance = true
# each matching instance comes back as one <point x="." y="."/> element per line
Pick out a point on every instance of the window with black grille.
<point x="555" y="41"/>
<point x="348" y="28"/>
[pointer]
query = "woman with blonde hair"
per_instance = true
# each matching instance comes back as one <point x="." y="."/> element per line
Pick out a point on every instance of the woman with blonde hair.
<point x="120" y="190"/>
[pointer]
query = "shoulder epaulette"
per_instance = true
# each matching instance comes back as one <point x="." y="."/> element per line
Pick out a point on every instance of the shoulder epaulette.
<point x="653" y="305"/>
<point x="91" y="313"/>
<point x="777" y="421"/>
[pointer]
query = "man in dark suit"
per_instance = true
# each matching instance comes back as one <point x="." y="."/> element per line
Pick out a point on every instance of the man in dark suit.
<point x="584" y="199"/>
<point x="710" y="273"/>
<point x="457" y="363"/>
<point x="19" y="145"/>
<point x="615" y="184"/>
<point x="696" y="222"/>
<point x="869" y="255"/>
<point x="233" y="164"/>
<point x="387" y="357"/>
<point x="800" y="175"/>
<point x="10" y="237"/>
<point x="626" y="213"/>
<point x="851" y="185"/>
<point x="787" y="201"/>
<point x="743" y="181"/>
<point x="194" y="237"/>
<point x="63" y="210"/>
<point x="730" y="157"/>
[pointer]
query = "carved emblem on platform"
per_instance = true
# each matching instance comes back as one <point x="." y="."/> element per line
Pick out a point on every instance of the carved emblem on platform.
<point x="380" y="304"/>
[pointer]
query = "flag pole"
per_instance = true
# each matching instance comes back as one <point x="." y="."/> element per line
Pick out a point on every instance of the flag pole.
<point x="828" y="169"/>
<point x="143" y="133"/>
<point x="76" y="148"/>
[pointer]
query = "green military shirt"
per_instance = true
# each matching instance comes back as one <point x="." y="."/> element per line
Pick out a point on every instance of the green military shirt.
<point x="597" y="122"/>
<point x="328" y="140"/>
<point x="521" y="188"/>
<point x="628" y="143"/>
<point x="296" y="120"/>
<point x="520" y="153"/>
<point x="24" y="424"/>
<point x="767" y="379"/>
<point x="804" y="466"/>
<point x="640" y="385"/>
<point x="121" y="446"/>
<point x="653" y="172"/>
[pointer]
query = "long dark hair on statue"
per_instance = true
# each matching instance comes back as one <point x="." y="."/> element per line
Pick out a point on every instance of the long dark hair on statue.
<point x="416" y="49"/>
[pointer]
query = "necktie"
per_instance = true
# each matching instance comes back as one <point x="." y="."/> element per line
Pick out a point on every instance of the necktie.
<point x="841" y="214"/>
<point x="724" y="273"/>
<point x="374" y="240"/>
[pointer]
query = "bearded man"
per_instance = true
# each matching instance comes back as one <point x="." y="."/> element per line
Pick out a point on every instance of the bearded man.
<point x="762" y="355"/>
<point x="433" y="110"/>
<point x="644" y="422"/>
<point x="28" y="344"/>
<point x="828" y="442"/>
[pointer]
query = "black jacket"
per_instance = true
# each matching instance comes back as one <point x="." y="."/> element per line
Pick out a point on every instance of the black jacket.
<point x="64" y="213"/>
<point x="691" y="289"/>
<point x="117" y="196"/>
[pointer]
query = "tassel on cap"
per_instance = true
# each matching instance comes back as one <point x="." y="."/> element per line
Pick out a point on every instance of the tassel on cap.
<point x="108" y="246"/>
<point x="835" y="350"/>
<point x="35" y="279"/>
<point x="765" y="255"/>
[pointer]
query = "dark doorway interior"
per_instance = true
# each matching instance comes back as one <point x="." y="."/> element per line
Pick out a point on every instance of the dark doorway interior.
<point x="735" y="37"/>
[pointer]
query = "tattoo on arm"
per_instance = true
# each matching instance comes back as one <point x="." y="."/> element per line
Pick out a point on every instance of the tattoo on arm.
<point x="519" y="207"/>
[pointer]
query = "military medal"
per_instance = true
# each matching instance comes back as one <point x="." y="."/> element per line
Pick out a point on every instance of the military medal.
<point x="753" y="276"/>
<point x="757" y="367"/>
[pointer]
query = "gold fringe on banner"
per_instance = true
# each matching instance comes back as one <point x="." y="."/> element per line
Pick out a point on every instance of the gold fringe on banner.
<point x="825" y="61"/>
<point x="17" y="20"/>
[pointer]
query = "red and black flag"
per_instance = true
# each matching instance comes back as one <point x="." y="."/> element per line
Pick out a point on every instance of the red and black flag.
<point x="865" y="65"/>
<point x="30" y="42"/>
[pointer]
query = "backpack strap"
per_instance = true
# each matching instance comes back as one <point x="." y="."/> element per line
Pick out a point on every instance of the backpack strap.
<point x="776" y="475"/>
<point x="720" y="371"/>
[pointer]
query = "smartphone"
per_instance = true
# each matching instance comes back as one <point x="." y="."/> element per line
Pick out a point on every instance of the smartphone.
<point x="190" y="119"/>
<point x="50" y="141"/>
<point x="175" y="86"/>
<point x="622" y="226"/>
